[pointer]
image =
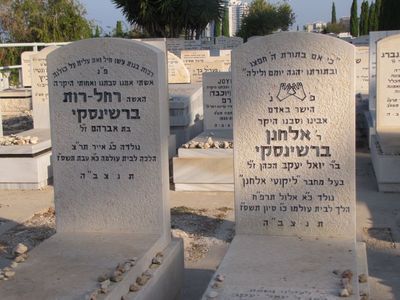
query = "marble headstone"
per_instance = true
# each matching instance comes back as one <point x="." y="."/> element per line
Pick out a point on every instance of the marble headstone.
<point x="374" y="36"/>
<point x="109" y="123"/>
<point x="4" y="80"/>
<point x="362" y="71"/>
<point x="217" y="100"/>
<point x="26" y="67"/>
<point x="177" y="71"/>
<point x="388" y="94"/>
<point x="294" y="136"/>
<point x="40" y="88"/>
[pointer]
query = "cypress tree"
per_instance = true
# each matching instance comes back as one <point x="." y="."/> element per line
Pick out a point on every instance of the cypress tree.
<point x="354" y="19"/>
<point x="217" y="28"/>
<point x="118" y="29"/>
<point x="372" y="18"/>
<point x="333" y="14"/>
<point x="364" y="17"/>
<point x="389" y="15"/>
<point x="378" y="5"/>
<point x="225" y="23"/>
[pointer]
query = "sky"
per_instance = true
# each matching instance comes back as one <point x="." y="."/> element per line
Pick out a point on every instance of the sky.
<point x="104" y="13"/>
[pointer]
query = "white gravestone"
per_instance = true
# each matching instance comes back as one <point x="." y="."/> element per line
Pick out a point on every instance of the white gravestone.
<point x="217" y="100"/>
<point x="104" y="100"/>
<point x="26" y="67"/>
<point x="362" y="71"/>
<point x="374" y="36"/>
<point x="4" y="81"/>
<point x="294" y="168"/>
<point x="40" y="88"/>
<point x="177" y="71"/>
<point x="388" y="94"/>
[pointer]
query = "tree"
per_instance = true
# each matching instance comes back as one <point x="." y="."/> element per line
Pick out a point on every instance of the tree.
<point x="225" y="22"/>
<point x="168" y="18"/>
<point x="217" y="28"/>
<point x="335" y="28"/>
<point x="364" y="18"/>
<point x="333" y="14"/>
<point x="378" y="5"/>
<point x="373" y="22"/>
<point x="43" y="21"/>
<point x="265" y="18"/>
<point x="119" y="32"/>
<point x="389" y="15"/>
<point x="354" y="19"/>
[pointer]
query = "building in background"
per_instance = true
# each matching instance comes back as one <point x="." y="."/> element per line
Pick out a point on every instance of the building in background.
<point x="236" y="11"/>
<point x="315" y="27"/>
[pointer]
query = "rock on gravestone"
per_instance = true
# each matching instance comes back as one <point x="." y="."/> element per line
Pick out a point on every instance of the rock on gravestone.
<point x="109" y="123"/>
<point x="40" y="88"/>
<point x="294" y="153"/>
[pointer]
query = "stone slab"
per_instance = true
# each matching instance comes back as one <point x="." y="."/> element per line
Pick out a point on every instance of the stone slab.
<point x="386" y="167"/>
<point x="204" y="187"/>
<point x="272" y="267"/>
<point x="362" y="268"/>
<point x="27" y="166"/>
<point x="67" y="265"/>
<point x="203" y="170"/>
<point x="216" y="135"/>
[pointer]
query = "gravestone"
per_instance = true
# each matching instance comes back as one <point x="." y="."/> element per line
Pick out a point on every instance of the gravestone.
<point x="210" y="167"/>
<point x="177" y="71"/>
<point x="109" y="124"/>
<point x="210" y="64"/>
<point x="193" y="55"/>
<point x="217" y="100"/>
<point x="26" y="68"/>
<point x="294" y="158"/>
<point x="362" y="71"/>
<point x="4" y="81"/>
<point x="374" y="36"/>
<point x="385" y="145"/>
<point x="40" y="88"/>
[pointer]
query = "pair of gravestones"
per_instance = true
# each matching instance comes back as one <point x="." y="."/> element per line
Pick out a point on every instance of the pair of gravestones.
<point x="293" y="96"/>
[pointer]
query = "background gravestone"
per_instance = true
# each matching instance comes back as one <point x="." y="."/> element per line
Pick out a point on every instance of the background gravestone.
<point x="177" y="71"/>
<point x="362" y="71"/>
<point x="110" y="137"/>
<point x="217" y="100"/>
<point x="40" y="88"/>
<point x="374" y="36"/>
<point x="388" y="94"/>
<point x="26" y="67"/>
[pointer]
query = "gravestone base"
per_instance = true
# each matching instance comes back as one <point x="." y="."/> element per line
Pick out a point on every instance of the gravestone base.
<point x="68" y="264"/>
<point x="272" y="267"/>
<point x="205" y="169"/>
<point x="386" y="167"/>
<point x="27" y="166"/>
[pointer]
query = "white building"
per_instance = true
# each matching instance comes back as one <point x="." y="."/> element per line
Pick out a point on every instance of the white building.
<point x="315" y="27"/>
<point x="236" y="11"/>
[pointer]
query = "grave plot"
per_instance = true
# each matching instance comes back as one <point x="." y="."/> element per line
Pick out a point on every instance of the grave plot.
<point x="110" y="156"/>
<point x="205" y="163"/>
<point x="27" y="157"/>
<point x="294" y="172"/>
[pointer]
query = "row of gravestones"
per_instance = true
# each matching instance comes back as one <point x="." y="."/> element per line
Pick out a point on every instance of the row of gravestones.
<point x="294" y="180"/>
